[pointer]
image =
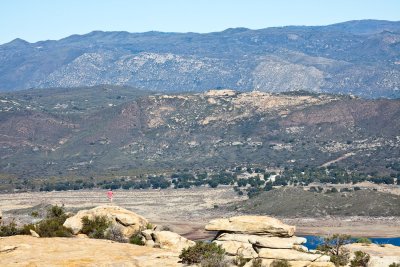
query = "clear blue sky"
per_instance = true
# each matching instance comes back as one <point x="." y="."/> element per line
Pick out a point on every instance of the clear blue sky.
<point x="35" y="20"/>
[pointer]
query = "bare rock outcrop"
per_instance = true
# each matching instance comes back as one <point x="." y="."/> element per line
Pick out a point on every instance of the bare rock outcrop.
<point x="33" y="233"/>
<point x="252" y="225"/>
<point x="165" y="240"/>
<point x="128" y="221"/>
<point x="265" y="238"/>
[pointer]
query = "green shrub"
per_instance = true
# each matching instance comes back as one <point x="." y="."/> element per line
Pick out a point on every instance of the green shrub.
<point x="56" y="212"/>
<point x="136" y="240"/>
<point x="215" y="261"/>
<point x="9" y="229"/>
<point x="394" y="264"/>
<point x="342" y="259"/>
<point x="240" y="260"/>
<point x="256" y="262"/>
<point x="26" y="229"/>
<point x="280" y="263"/>
<point x="149" y="226"/>
<point x="202" y="252"/>
<point x="364" y="240"/>
<point x="52" y="226"/>
<point x="95" y="227"/>
<point x="361" y="259"/>
<point x="115" y="233"/>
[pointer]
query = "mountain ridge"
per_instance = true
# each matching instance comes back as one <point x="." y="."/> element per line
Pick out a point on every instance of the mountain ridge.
<point x="389" y="23"/>
<point x="356" y="57"/>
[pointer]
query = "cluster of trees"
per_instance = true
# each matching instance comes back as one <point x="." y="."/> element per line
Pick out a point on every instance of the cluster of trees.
<point x="329" y="175"/>
<point x="154" y="182"/>
<point x="67" y="185"/>
<point x="251" y="185"/>
<point x="187" y="180"/>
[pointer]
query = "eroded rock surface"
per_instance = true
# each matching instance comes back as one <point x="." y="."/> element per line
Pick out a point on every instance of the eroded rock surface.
<point x="166" y="240"/>
<point x="265" y="238"/>
<point x="252" y="225"/>
<point x="30" y="251"/>
<point x="128" y="221"/>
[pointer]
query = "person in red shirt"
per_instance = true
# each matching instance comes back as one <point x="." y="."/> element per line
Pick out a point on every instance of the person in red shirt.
<point x="110" y="195"/>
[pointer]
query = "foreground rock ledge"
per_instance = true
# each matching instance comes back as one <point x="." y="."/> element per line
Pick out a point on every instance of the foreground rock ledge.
<point x="31" y="251"/>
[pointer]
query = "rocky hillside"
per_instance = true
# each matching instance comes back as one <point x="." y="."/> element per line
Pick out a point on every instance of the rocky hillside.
<point x="103" y="130"/>
<point x="356" y="57"/>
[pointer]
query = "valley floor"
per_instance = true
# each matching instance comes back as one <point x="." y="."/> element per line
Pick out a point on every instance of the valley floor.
<point x="186" y="211"/>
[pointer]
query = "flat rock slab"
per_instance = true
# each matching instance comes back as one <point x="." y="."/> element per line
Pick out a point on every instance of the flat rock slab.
<point x="264" y="240"/>
<point x="252" y="225"/>
<point x="291" y="255"/>
<point x="31" y="251"/>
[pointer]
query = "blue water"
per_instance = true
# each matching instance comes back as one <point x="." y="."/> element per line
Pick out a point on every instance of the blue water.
<point x="313" y="241"/>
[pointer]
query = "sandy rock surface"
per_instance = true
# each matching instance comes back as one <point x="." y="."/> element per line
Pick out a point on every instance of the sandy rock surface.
<point x="31" y="251"/>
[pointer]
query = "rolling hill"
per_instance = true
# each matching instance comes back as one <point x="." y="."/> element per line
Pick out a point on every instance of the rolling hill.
<point x="109" y="130"/>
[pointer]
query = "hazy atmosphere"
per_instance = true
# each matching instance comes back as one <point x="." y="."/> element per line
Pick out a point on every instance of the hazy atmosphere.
<point x="39" y="20"/>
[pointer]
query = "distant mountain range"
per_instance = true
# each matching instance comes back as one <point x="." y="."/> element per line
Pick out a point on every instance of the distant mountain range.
<point x="355" y="57"/>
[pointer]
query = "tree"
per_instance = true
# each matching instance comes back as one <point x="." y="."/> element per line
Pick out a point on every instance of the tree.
<point x="334" y="246"/>
<point x="268" y="186"/>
